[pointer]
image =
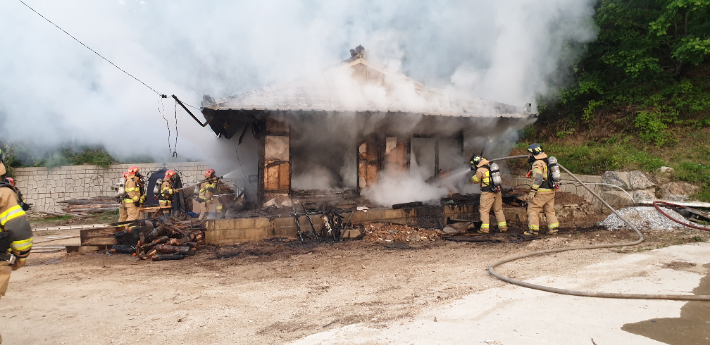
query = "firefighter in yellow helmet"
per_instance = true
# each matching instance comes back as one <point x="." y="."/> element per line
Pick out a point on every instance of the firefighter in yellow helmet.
<point x="166" y="189"/>
<point x="208" y="188"/>
<point x="133" y="196"/>
<point x="491" y="196"/>
<point x="542" y="193"/>
<point x="15" y="231"/>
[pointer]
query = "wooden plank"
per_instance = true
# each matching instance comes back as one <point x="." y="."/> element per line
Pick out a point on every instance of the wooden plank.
<point x="103" y="236"/>
<point x="284" y="178"/>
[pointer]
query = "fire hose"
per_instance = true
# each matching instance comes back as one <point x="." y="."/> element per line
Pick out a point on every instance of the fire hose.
<point x="656" y="203"/>
<point x="492" y="271"/>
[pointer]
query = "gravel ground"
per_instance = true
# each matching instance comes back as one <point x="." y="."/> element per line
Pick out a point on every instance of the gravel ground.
<point x="644" y="217"/>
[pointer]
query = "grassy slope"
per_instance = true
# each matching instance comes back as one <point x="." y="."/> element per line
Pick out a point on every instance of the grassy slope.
<point x="612" y="141"/>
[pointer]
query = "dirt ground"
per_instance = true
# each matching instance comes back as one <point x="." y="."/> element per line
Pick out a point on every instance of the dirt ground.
<point x="269" y="292"/>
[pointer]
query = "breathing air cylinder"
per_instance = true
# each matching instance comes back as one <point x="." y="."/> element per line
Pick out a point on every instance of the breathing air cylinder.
<point x="120" y="186"/>
<point x="156" y="189"/>
<point x="554" y="170"/>
<point x="496" y="180"/>
<point x="197" y="190"/>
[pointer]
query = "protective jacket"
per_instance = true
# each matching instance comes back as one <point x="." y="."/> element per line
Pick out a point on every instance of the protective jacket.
<point x="540" y="181"/>
<point x="483" y="176"/>
<point x="207" y="190"/>
<point x="14" y="221"/>
<point x="134" y="190"/>
<point x="166" y="190"/>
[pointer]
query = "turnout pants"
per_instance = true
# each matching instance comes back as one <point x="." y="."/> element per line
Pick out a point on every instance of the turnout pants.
<point x="213" y="207"/>
<point x="122" y="214"/>
<point x="4" y="278"/>
<point x="131" y="212"/>
<point x="542" y="202"/>
<point x="495" y="201"/>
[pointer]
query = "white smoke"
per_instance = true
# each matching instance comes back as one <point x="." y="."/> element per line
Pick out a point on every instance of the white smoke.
<point x="53" y="90"/>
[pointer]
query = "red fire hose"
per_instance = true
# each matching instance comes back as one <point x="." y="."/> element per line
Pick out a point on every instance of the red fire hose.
<point x="690" y="225"/>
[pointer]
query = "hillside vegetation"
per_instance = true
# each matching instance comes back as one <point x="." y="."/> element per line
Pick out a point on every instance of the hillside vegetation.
<point x="640" y="98"/>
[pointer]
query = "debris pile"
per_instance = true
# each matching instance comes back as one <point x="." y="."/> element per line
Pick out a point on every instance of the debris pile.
<point x="389" y="232"/>
<point x="159" y="240"/>
<point x="643" y="218"/>
<point x="92" y="205"/>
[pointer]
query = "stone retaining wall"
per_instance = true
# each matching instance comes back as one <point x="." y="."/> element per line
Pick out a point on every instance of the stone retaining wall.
<point x="569" y="185"/>
<point x="45" y="188"/>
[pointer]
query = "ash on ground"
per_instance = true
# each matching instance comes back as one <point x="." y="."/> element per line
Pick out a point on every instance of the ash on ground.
<point x="644" y="218"/>
<point x="389" y="232"/>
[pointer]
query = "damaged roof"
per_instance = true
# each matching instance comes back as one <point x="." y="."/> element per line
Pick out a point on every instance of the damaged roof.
<point x="357" y="85"/>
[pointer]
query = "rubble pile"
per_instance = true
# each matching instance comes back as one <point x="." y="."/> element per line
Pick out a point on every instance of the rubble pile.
<point x="91" y="205"/>
<point x="644" y="218"/>
<point x="389" y="232"/>
<point x="159" y="240"/>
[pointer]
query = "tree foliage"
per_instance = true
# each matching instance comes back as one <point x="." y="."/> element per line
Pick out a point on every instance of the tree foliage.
<point x="639" y="64"/>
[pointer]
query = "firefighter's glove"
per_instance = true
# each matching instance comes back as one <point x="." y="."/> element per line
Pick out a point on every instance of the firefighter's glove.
<point x="531" y="195"/>
<point x="142" y="199"/>
<point x="135" y="199"/>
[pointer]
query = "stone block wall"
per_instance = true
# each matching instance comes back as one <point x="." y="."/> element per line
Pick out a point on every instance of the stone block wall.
<point x="45" y="188"/>
<point x="569" y="185"/>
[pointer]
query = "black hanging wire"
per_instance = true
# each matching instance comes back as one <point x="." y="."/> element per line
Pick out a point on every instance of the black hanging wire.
<point x="167" y="124"/>
<point x="177" y="133"/>
<point x="243" y="172"/>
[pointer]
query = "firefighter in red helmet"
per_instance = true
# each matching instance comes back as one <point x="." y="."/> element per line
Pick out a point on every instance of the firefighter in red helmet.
<point x="133" y="195"/>
<point x="206" y="195"/>
<point x="166" y="189"/>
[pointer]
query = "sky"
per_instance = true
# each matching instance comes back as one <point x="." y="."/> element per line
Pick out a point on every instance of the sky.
<point x="54" y="91"/>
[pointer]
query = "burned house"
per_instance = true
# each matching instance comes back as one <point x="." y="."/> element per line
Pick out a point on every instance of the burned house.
<point x="343" y="128"/>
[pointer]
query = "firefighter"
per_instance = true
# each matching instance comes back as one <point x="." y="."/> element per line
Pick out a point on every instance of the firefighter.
<point x="542" y="193"/>
<point x="15" y="231"/>
<point x="166" y="189"/>
<point x="134" y="194"/>
<point x="491" y="197"/>
<point x="208" y="188"/>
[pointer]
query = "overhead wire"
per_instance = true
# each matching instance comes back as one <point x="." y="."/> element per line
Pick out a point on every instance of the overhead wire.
<point x="162" y="95"/>
<point x="167" y="124"/>
<point x="177" y="133"/>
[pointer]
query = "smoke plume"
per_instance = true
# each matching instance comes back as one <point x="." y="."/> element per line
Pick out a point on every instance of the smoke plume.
<point x="54" y="91"/>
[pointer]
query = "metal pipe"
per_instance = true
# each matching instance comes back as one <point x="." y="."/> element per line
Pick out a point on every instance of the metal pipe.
<point x="492" y="271"/>
<point x="189" y="112"/>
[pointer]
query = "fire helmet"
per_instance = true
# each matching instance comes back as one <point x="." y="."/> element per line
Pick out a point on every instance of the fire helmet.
<point x="125" y="174"/>
<point x="209" y="173"/>
<point x="133" y="170"/>
<point x="169" y="174"/>
<point x="475" y="159"/>
<point x="11" y="180"/>
<point x="535" y="149"/>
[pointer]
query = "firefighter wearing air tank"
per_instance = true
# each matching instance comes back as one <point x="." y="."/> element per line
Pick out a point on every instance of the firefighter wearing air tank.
<point x="132" y="194"/>
<point x="488" y="175"/>
<point x="545" y="175"/>
<point x="15" y="231"/>
<point x="166" y="192"/>
<point x="206" y="195"/>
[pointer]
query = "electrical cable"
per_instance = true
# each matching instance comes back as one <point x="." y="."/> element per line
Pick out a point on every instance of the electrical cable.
<point x="167" y="124"/>
<point x="656" y="203"/>
<point x="491" y="269"/>
<point x="177" y="133"/>
<point x="162" y="95"/>
<point x="243" y="172"/>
